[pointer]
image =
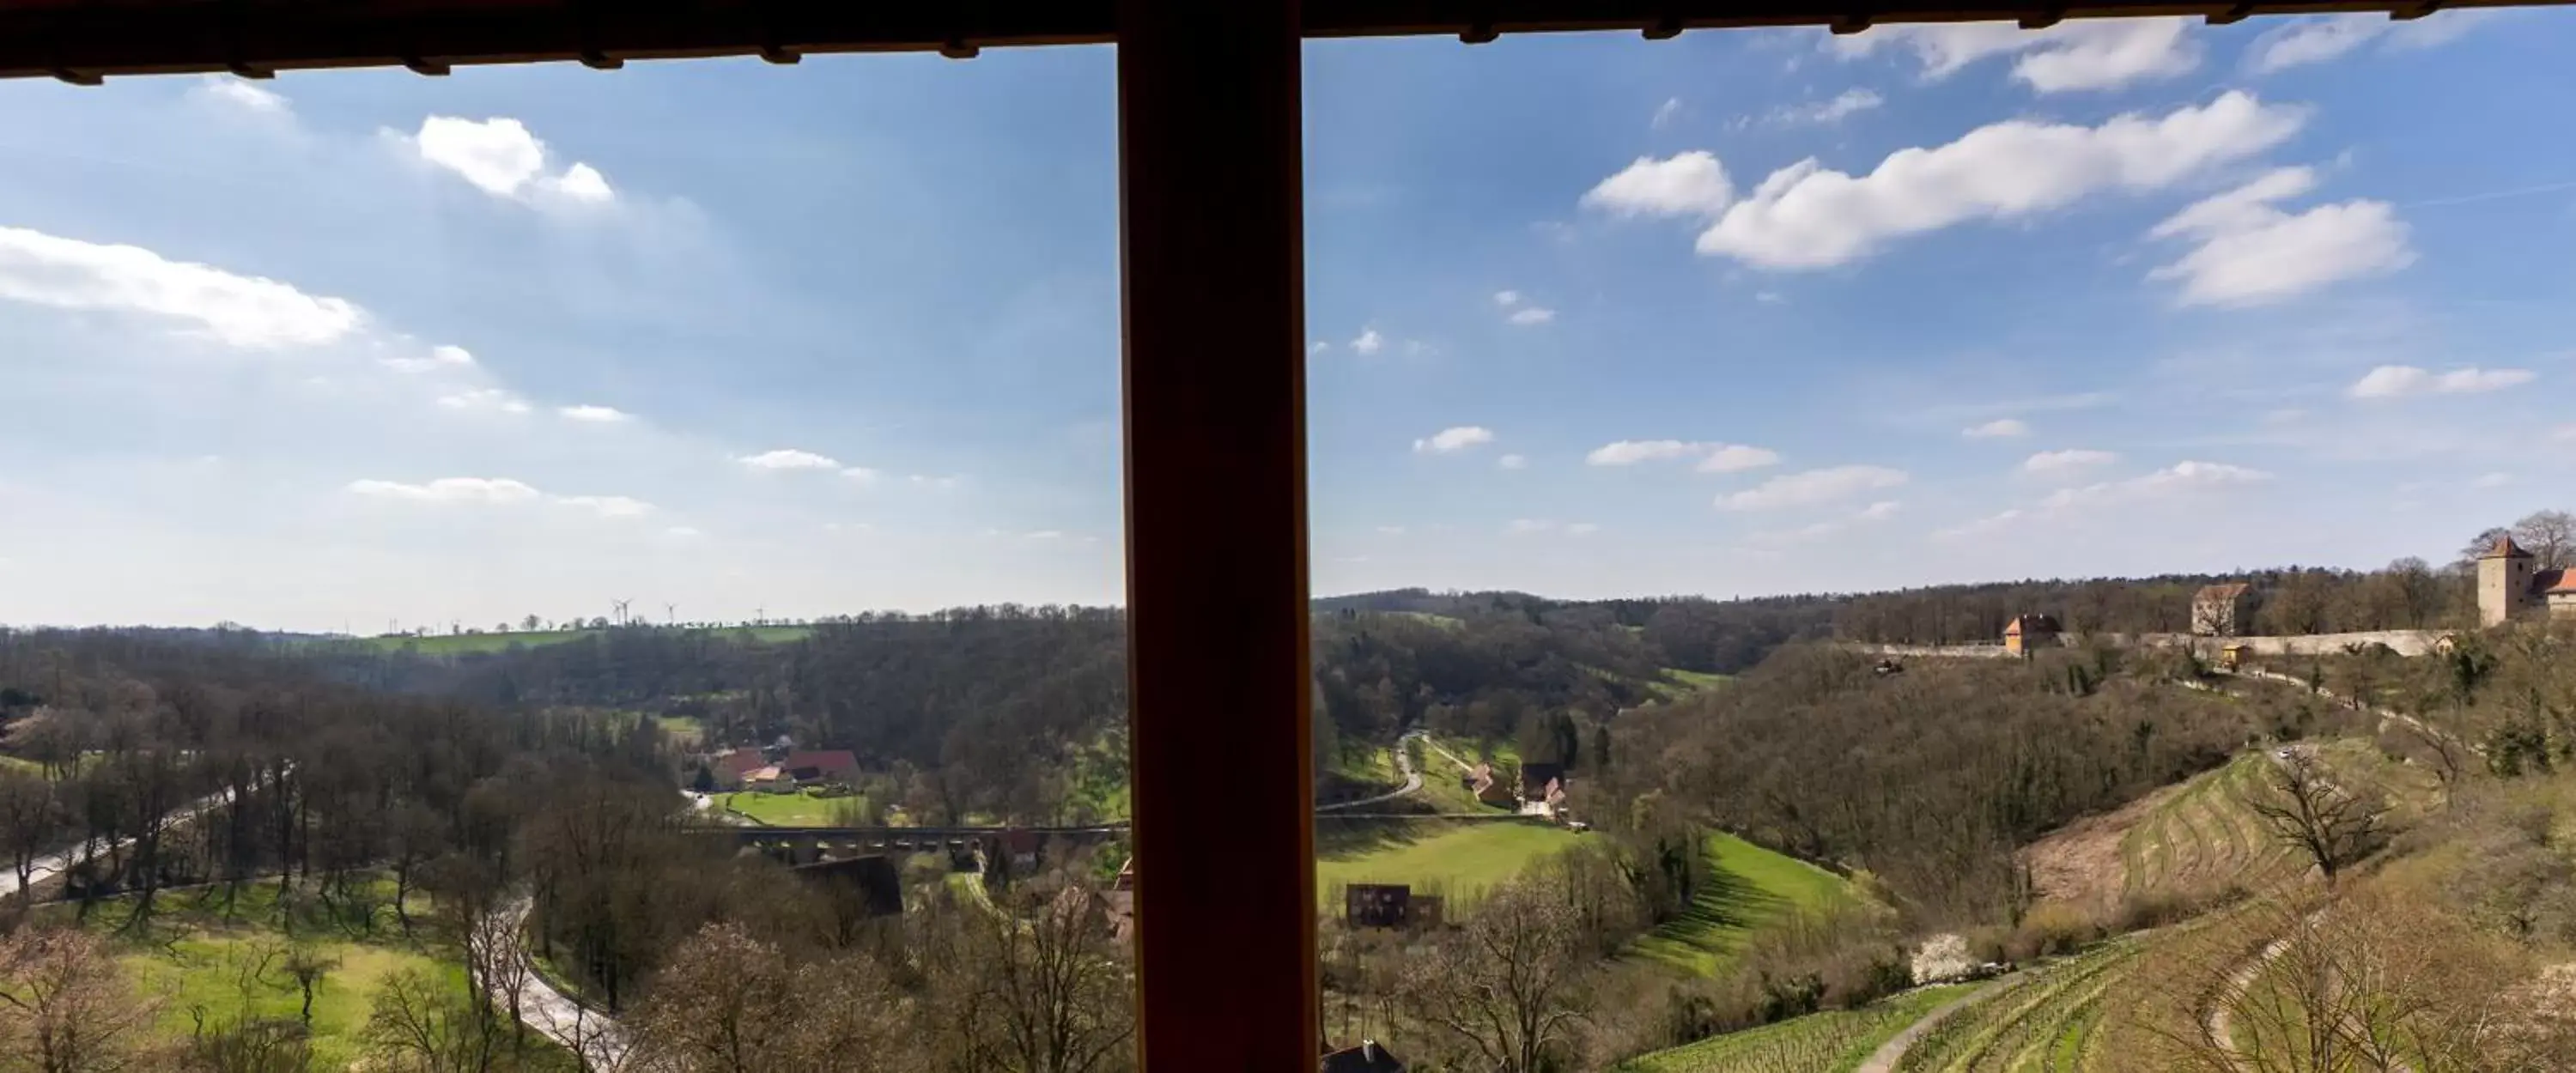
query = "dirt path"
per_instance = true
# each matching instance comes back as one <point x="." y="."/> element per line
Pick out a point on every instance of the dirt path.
<point x="1888" y="1054"/>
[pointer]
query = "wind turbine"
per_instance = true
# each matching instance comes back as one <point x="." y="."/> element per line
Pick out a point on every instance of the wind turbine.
<point x="671" y="613"/>
<point x="620" y="605"/>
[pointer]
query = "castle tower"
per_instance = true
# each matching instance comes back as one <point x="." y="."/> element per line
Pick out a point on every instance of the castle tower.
<point x="2504" y="582"/>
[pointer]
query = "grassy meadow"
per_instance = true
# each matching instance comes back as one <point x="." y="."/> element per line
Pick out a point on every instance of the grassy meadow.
<point x="1748" y="887"/>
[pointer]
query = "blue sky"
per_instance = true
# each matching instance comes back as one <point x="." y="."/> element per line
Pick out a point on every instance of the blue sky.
<point x="1738" y="313"/>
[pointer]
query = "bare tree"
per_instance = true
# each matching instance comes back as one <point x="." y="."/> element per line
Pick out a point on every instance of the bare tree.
<point x="2318" y="982"/>
<point x="30" y="817"/>
<point x="2333" y="825"/>
<point x="1038" y="987"/>
<point x="1511" y="987"/>
<point x="2550" y="537"/>
<point x="734" y="1004"/>
<point x="305" y="965"/>
<point x="64" y="1007"/>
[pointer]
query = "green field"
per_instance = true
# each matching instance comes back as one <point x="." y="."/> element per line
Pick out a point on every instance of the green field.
<point x="1747" y="887"/>
<point x="1817" y="1043"/>
<point x="14" y="763"/>
<point x="1678" y="683"/>
<point x="785" y="810"/>
<point x="458" y="644"/>
<point x="1457" y="860"/>
<point x="200" y="953"/>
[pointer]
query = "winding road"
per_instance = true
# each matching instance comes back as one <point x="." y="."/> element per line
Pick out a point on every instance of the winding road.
<point x="51" y="865"/>
<point x="595" y="1036"/>
<point x="1403" y="764"/>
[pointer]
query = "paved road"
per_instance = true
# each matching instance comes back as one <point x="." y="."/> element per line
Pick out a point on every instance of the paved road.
<point x="596" y="1037"/>
<point x="51" y="865"/>
<point x="1404" y="764"/>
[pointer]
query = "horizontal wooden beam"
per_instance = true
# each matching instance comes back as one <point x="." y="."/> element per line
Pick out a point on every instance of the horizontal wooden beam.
<point x="85" y="40"/>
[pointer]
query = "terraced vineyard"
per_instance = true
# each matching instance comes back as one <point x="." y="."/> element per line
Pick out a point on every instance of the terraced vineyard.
<point x="2043" y="1021"/>
<point x="2206" y="837"/>
<point x="1818" y="1043"/>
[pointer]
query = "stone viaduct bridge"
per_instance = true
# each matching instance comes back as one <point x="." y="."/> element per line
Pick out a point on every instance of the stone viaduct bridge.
<point x="803" y="845"/>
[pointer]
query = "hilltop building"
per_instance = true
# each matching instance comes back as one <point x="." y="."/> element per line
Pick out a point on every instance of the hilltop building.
<point x="2510" y="585"/>
<point x="2027" y="632"/>
<point x="2220" y="610"/>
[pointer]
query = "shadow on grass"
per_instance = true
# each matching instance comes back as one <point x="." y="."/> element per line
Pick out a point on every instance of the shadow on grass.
<point x="1726" y="908"/>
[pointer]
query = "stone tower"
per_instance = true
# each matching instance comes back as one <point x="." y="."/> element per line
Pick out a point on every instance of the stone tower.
<point x="2504" y="582"/>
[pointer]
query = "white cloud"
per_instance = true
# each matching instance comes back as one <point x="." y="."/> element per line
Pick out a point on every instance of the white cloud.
<point x="1666" y="112"/>
<point x="924" y="480"/>
<point x="1507" y="299"/>
<point x="2182" y="479"/>
<point x="237" y="93"/>
<point x="1769" y="298"/>
<point x="241" y="311"/>
<point x="1825" y="112"/>
<point x="2079" y="55"/>
<point x="1527" y="316"/>
<point x="439" y="358"/>
<point x="597" y="415"/>
<point x="581" y="182"/>
<point x="485" y="400"/>
<point x="1368" y="342"/>
<point x="1714" y="457"/>
<point x="460" y="490"/>
<point x="683" y="532"/>
<point x="1689" y="184"/>
<point x="1736" y="458"/>
<point x="1999" y="428"/>
<point x="2318" y="38"/>
<point x="860" y="474"/>
<point x="1390" y="530"/>
<point x="608" y="506"/>
<point x="1806" y="216"/>
<point x="1457" y="438"/>
<point x="787" y="459"/>
<point x="1318" y="346"/>
<point x="1876" y="512"/>
<point x="500" y="157"/>
<point x="2251" y="253"/>
<point x="2492" y="480"/>
<point x="2060" y="464"/>
<point x="1812" y="487"/>
<point x="1512" y="462"/>
<point x="2399" y="381"/>
<point x="1631" y="452"/>
<point x="1529" y="526"/>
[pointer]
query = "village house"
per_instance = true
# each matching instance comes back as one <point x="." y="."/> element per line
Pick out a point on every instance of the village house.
<point x="2026" y="633"/>
<point x="2220" y="610"/>
<point x="733" y="767"/>
<point x="769" y="780"/>
<point x="1543" y="785"/>
<point x="1389" y="905"/>
<point x="2511" y="585"/>
<point x="810" y="767"/>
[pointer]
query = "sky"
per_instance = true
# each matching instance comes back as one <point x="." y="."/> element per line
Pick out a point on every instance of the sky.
<point x="1734" y="314"/>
